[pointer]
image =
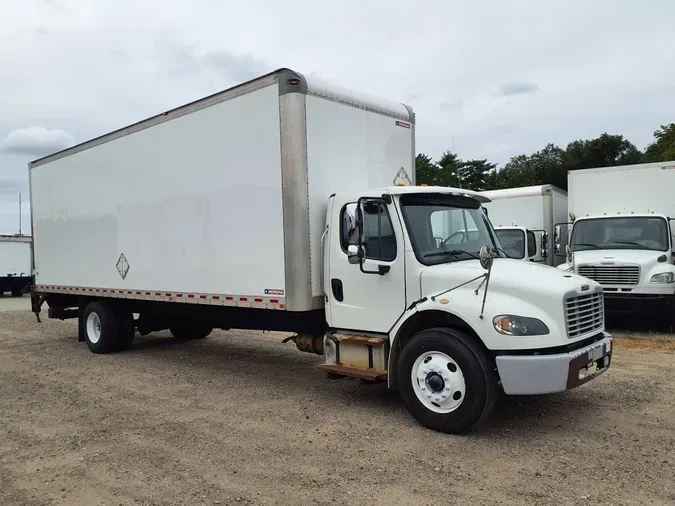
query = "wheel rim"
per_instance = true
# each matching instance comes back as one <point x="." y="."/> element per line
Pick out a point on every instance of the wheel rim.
<point x="438" y="382"/>
<point x="93" y="328"/>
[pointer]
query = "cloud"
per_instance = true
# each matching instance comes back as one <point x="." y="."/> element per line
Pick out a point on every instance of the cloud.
<point x="36" y="141"/>
<point x="189" y="61"/>
<point x="517" y="88"/>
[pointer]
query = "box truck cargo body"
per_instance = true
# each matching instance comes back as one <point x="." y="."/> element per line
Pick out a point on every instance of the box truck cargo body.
<point x="525" y="219"/>
<point x="288" y="204"/>
<point x="621" y="235"/>
<point x="15" y="264"/>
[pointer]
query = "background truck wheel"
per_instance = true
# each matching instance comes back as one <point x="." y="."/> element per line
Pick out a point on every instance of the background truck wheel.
<point x="188" y="330"/>
<point x="446" y="381"/>
<point x="101" y="327"/>
<point x="17" y="293"/>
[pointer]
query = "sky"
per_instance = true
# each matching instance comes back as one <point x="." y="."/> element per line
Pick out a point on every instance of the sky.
<point x="490" y="79"/>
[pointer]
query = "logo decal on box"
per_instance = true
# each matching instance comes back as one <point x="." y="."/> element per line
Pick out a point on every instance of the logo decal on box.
<point x="271" y="291"/>
<point x="403" y="124"/>
<point x="122" y="266"/>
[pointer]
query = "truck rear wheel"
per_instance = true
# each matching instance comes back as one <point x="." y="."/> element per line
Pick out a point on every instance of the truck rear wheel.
<point x="101" y="327"/>
<point x="446" y="381"/>
<point x="187" y="330"/>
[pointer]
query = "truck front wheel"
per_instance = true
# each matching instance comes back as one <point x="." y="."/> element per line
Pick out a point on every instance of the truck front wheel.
<point x="446" y="380"/>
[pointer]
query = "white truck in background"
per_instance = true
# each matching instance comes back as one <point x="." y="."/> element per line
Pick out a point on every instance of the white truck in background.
<point x="621" y="234"/>
<point x="287" y="204"/>
<point x="15" y="264"/>
<point x="525" y="218"/>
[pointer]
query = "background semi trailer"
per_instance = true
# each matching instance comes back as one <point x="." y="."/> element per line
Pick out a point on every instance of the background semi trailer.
<point x="15" y="264"/>
<point x="274" y="205"/>
<point x="525" y="219"/>
<point x="621" y="235"/>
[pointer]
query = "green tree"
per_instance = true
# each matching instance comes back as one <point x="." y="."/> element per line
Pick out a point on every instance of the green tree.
<point x="475" y="174"/>
<point x="426" y="170"/>
<point x="448" y="173"/>
<point x="604" y="151"/>
<point x="545" y="166"/>
<point x="663" y="148"/>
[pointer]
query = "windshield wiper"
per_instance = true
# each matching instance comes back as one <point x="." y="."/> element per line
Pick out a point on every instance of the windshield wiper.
<point x="594" y="246"/>
<point x="454" y="252"/>
<point x="631" y="243"/>
<point x="502" y="251"/>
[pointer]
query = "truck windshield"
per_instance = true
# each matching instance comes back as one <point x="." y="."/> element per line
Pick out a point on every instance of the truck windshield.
<point x="446" y="228"/>
<point x="620" y="233"/>
<point x="513" y="242"/>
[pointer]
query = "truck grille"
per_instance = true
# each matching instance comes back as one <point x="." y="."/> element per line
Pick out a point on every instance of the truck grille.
<point x="611" y="275"/>
<point x="584" y="314"/>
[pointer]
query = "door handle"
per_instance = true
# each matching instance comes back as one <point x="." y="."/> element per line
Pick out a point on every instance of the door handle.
<point x="336" y="286"/>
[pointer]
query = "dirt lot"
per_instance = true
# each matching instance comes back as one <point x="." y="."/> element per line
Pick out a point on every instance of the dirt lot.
<point x="240" y="418"/>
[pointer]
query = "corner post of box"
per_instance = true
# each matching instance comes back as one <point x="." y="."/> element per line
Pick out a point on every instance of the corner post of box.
<point x="293" y="91"/>
<point x="411" y="113"/>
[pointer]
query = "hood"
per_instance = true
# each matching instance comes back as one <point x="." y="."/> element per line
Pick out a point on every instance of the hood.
<point x="617" y="257"/>
<point x="508" y="275"/>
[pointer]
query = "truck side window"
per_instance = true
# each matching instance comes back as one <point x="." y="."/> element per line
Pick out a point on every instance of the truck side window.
<point x="378" y="234"/>
<point x="531" y="244"/>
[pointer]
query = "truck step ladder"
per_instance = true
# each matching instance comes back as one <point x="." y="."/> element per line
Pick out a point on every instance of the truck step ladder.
<point x="362" y="356"/>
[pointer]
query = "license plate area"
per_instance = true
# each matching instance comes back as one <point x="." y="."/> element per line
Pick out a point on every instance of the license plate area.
<point x="588" y="364"/>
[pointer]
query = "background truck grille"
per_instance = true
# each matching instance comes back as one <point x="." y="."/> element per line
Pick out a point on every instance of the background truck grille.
<point x="611" y="275"/>
<point x="584" y="313"/>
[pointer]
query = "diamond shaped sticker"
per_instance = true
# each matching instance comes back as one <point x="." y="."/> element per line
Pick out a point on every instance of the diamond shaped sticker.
<point x="402" y="178"/>
<point x="122" y="266"/>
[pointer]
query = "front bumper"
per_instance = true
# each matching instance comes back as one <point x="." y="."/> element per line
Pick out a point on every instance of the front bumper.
<point x="547" y="374"/>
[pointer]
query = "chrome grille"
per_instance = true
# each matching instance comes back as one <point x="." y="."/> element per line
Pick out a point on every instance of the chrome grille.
<point x="611" y="274"/>
<point x="584" y="314"/>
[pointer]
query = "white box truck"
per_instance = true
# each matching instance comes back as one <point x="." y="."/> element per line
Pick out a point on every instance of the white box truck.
<point x="525" y="218"/>
<point x="621" y="235"/>
<point x="286" y="204"/>
<point x="15" y="264"/>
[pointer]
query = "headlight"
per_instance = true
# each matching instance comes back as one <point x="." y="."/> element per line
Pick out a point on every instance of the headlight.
<point x="512" y="325"/>
<point x="663" y="277"/>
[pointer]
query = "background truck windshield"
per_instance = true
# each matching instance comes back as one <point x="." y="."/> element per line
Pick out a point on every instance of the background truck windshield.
<point x="446" y="228"/>
<point x="620" y="233"/>
<point x="513" y="242"/>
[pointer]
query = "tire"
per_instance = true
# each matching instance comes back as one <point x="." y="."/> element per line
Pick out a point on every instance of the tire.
<point x="189" y="330"/>
<point x="101" y="327"/>
<point x="16" y="293"/>
<point x="455" y="372"/>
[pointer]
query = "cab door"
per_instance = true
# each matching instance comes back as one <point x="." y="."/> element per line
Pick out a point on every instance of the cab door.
<point x="369" y="295"/>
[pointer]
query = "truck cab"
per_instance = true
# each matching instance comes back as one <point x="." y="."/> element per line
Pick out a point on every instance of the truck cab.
<point x="521" y="243"/>
<point x="631" y="255"/>
<point x="419" y="292"/>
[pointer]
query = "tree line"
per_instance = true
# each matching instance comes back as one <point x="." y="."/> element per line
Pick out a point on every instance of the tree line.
<point x="547" y="166"/>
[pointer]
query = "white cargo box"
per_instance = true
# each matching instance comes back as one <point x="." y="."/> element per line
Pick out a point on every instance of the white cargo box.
<point x="14" y="256"/>
<point x="624" y="189"/>
<point x="221" y="201"/>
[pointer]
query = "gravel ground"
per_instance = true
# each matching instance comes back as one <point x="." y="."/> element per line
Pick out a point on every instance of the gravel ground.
<point x="241" y="418"/>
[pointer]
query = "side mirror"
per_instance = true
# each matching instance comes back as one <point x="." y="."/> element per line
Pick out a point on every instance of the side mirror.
<point x="350" y="224"/>
<point x="544" y="245"/>
<point x="561" y="238"/>
<point x="485" y="257"/>
<point x="354" y="254"/>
